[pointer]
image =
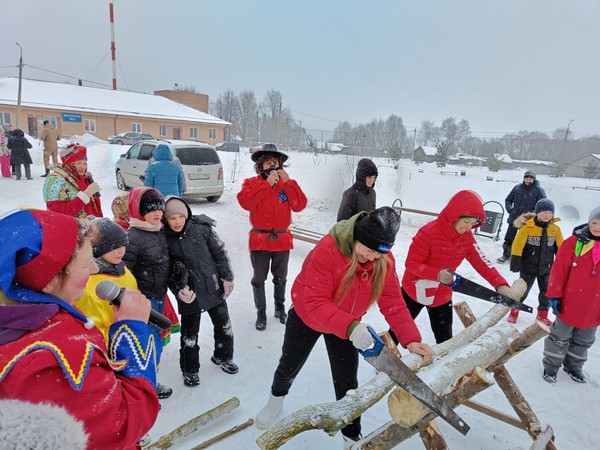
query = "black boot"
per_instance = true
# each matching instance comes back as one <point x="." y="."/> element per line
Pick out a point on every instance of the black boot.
<point x="505" y="254"/>
<point x="279" y="295"/>
<point x="260" y="302"/>
<point x="45" y="174"/>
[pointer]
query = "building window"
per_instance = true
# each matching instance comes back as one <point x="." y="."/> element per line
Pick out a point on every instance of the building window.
<point x="194" y="132"/>
<point x="212" y="133"/>
<point x="4" y="118"/>
<point x="89" y="125"/>
<point x="136" y="127"/>
<point x="162" y="130"/>
<point x="52" y="120"/>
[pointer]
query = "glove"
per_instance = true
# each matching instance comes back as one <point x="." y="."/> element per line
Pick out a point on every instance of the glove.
<point x="509" y="292"/>
<point x="186" y="295"/>
<point x="92" y="189"/>
<point x="361" y="337"/>
<point x="445" y="277"/>
<point x="227" y="288"/>
<point x="555" y="305"/>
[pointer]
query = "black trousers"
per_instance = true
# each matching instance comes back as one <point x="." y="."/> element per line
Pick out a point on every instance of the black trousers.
<point x="189" y="351"/>
<point x="509" y="237"/>
<point x="542" y="280"/>
<point x="440" y="318"/>
<point x="262" y="259"/>
<point x="298" y="342"/>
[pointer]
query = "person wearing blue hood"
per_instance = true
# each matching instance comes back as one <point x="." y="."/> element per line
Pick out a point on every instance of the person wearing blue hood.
<point x="163" y="174"/>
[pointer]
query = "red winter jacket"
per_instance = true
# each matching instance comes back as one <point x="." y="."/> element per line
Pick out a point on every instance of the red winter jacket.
<point x="64" y="364"/>
<point x="271" y="212"/>
<point x="314" y="288"/>
<point x="572" y="280"/>
<point x="438" y="246"/>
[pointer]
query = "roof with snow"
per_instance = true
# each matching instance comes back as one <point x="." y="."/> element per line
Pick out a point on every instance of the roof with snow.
<point x="429" y="151"/>
<point x="67" y="97"/>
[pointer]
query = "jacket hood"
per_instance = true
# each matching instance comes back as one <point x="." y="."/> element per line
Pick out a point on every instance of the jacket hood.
<point x="583" y="233"/>
<point x="133" y="202"/>
<point x="343" y="234"/>
<point x="463" y="203"/>
<point x="162" y="153"/>
<point x="365" y="168"/>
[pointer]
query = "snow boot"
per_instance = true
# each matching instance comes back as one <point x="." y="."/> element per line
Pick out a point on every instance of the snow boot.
<point x="260" y="302"/>
<point x="576" y="375"/>
<point x="279" y="295"/>
<point x="549" y="376"/>
<point x="191" y="379"/>
<point x="163" y="391"/>
<point x="265" y="418"/>
<point x="542" y="316"/>
<point x="226" y="366"/>
<point x="513" y="316"/>
<point x="46" y="173"/>
<point x="505" y="254"/>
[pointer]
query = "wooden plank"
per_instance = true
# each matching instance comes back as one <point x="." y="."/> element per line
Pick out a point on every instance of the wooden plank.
<point x="495" y="414"/>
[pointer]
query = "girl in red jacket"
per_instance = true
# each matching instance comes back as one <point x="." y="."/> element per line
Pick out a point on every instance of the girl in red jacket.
<point x="574" y="295"/>
<point x="349" y="270"/>
<point x="440" y="245"/>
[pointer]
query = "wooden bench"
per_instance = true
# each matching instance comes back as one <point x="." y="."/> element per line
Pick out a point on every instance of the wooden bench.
<point x="587" y="188"/>
<point x="449" y="172"/>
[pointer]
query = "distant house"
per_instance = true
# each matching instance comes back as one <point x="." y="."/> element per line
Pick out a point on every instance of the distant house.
<point x="537" y="166"/>
<point x="576" y="167"/>
<point x="424" y="153"/>
<point x="75" y="110"/>
<point x="467" y="160"/>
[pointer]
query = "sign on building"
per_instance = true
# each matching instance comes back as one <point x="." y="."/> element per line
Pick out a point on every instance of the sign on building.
<point x="70" y="117"/>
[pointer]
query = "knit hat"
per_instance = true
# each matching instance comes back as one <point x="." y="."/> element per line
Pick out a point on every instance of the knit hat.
<point x="544" y="204"/>
<point x="595" y="214"/>
<point x="529" y="174"/>
<point x="36" y="245"/>
<point x="73" y="152"/>
<point x="151" y="200"/>
<point x="377" y="230"/>
<point x="174" y="206"/>
<point x="110" y="237"/>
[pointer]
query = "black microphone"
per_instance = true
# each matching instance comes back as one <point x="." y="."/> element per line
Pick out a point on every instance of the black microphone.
<point x="97" y="193"/>
<point x="111" y="292"/>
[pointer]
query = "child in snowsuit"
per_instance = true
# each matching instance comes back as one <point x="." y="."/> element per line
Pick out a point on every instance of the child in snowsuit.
<point x="574" y="295"/>
<point x="196" y="249"/>
<point x="533" y="251"/>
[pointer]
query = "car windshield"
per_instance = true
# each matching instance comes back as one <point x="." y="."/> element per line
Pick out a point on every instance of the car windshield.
<point x="197" y="156"/>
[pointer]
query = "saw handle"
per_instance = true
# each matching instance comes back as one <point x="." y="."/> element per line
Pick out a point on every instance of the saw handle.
<point x="376" y="348"/>
<point x="457" y="279"/>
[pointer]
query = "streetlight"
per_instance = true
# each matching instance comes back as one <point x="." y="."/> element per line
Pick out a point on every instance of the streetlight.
<point x="20" y="84"/>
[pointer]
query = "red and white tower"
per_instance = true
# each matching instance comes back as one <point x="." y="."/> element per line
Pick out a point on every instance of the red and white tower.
<point x="112" y="46"/>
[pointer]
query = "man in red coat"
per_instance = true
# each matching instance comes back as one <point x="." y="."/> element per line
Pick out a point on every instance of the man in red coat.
<point x="271" y="196"/>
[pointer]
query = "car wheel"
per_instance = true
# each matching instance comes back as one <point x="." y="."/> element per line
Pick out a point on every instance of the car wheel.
<point x="213" y="198"/>
<point x="121" y="182"/>
<point x="119" y="142"/>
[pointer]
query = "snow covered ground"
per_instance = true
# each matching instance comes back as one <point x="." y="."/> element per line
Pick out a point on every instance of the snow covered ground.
<point x="570" y="408"/>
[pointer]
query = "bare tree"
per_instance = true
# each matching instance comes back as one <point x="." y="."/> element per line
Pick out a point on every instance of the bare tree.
<point x="227" y="107"/>
<point x="247" y="124"/>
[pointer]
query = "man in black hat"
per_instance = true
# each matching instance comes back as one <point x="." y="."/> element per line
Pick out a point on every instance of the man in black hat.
<point x="271" y="196"/>
<point x="521" y="199"/>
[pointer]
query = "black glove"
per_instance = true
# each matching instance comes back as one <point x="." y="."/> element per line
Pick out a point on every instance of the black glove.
<point x="180" y="275"/>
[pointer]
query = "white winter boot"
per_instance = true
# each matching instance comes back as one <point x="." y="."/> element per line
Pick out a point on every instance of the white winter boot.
<point x="265" y="418"/>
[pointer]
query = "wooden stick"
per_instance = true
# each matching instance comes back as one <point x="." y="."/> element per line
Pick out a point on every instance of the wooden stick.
<point x="193" y="424"/>
<point x="225" y="434"/>
<point x="432" y="437"/>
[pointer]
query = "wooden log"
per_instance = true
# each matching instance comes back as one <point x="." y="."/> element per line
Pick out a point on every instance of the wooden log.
<point x="225" y="434"/>
<point x="391" y="434"/>
<point x="432" y="437"/>
<point x="544" y="439"/>
<point x="193" y="424"/>
<point x="526" y="339"/>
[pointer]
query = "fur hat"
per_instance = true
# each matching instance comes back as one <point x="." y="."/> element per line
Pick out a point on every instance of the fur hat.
<point x="595" y="214"/>
<point x="377" y="230"/>
<point x="175" y="205"/>
<point x="110" y="237"/>
<point x="151" y="200"/>
<point x="36" y="246"/>
<point x="529" y="174"/>
<point x="544" y="204"/>
<point x="72" y="153"/>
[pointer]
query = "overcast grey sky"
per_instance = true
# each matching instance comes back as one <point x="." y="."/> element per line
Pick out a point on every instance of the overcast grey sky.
<point x="504" y="66"/>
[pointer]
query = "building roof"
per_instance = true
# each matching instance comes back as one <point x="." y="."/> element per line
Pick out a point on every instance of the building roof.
<point x="429" y="151"/>
<point x="71" y="98"/>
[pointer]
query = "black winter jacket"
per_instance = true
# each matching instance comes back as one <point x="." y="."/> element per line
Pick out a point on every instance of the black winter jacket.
<point x="522" y="199"/>
<point x="18" y="150"/>
<point x="147" y="256"/>
<point x="203" y="254"/>
<point x="359" y="197"/>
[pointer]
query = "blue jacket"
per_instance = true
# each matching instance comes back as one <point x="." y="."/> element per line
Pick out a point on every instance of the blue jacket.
<point x="522" y="199"/>
<point x="163" y="174"/>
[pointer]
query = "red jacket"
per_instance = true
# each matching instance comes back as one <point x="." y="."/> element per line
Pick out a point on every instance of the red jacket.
<point x="314" y="288"/>
<point x="438" y="246"/>
<point x="64" y="364"/>
<point x="571" y="280"/>
<point x="60" y="194"/>
<point x="271" y="212"/>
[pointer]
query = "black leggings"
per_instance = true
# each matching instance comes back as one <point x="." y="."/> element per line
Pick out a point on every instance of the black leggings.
<point x="298" y="342"/>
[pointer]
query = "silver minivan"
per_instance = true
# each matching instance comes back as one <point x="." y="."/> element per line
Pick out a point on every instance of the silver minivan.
<point x="200" y="162"/>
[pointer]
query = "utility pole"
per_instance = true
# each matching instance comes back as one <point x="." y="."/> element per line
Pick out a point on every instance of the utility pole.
<point x="113" y="49"/>
<point x="563" y="161"/>
<point x="20" y="84"/>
